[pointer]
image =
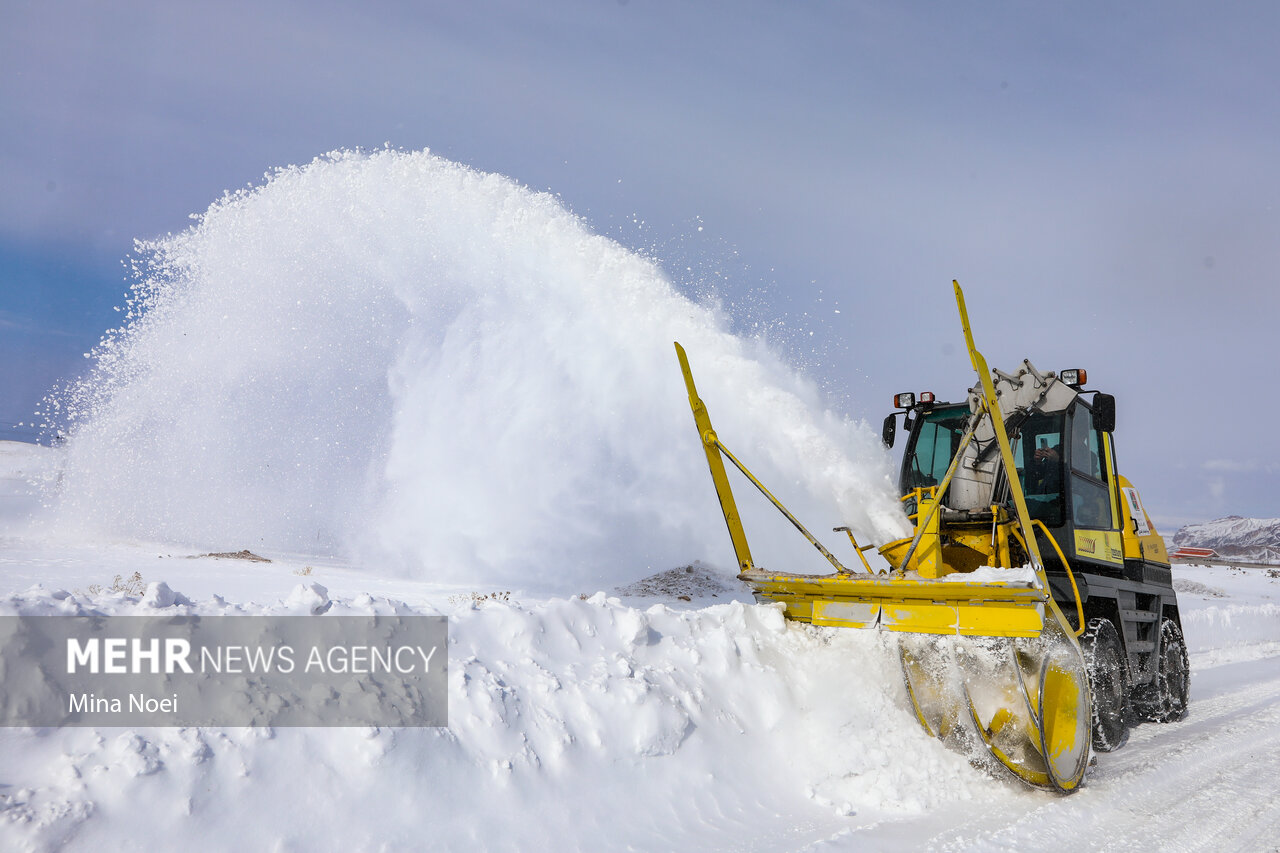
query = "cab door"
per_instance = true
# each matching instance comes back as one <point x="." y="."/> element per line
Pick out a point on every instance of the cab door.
<point x="1092" y="491"/>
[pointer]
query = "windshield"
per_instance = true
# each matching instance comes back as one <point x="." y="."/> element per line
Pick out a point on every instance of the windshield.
<point x="1037" y="452"/>
<point x="932" y="445"/>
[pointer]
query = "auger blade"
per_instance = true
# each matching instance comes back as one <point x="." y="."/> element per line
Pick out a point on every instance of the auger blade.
<point x="1018" y="705"/>
<point x="1065" y="720"/>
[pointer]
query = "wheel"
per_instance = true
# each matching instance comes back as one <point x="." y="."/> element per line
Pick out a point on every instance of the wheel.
<point x="1109" y="682"/>
<point x="1173" y="681"/>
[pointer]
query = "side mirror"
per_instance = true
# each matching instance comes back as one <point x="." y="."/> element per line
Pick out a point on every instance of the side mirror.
<point x="890" y="430"/>
<point x="1104" y="412"/>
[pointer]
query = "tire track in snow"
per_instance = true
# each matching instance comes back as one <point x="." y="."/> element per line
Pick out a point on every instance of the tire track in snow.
<point x="1202" y="785"/>
<point x="1185" y="786"/>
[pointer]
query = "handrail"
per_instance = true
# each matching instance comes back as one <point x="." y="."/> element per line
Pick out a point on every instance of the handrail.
<point x="1075" y="590"/>
<point x="858" y="549"/>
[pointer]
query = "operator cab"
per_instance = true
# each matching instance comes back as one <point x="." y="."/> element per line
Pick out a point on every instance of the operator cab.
<point x="1064" y="464"/>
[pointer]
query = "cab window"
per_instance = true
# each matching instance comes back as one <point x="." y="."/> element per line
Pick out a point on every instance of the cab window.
<point x="1090" y="503"/>
<point x="1090" y="496"/>
<point x="934" y="444"/>
<point x="1086" y="450"/>
<point x="1038" y="454"/>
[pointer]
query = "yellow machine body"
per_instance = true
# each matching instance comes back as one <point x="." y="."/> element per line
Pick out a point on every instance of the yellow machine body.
<point x="1040" y="729"/>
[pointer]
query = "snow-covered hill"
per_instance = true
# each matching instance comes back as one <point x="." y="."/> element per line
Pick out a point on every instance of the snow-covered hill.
<point x="1234" y="538"/>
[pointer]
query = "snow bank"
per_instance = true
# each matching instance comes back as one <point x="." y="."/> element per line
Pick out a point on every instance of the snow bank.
<point x="393" y="356"/>
<point x="574" y="724"/>
<point x="584" y="723"/>
<point x="1228" y="613"/>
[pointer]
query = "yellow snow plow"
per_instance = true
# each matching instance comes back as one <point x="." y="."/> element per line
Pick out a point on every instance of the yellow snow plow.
<point x="1023" y="462"/>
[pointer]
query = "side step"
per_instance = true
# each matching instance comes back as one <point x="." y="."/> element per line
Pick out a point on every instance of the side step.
<point x="1139" y="615"/>
<point x="1141" y="653"/>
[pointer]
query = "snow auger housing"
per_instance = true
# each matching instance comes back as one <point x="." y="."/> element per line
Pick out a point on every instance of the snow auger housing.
<point x="1029" y="566"/>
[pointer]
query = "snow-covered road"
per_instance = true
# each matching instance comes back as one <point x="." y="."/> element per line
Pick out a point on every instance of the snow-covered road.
<point x="1207" y="783"/>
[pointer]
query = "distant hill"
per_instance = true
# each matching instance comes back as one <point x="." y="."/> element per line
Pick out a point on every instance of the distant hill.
<point x="1255" y="540"/>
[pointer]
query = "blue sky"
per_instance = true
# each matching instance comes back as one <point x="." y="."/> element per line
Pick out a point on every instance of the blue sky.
<point x="1101" y="177"/>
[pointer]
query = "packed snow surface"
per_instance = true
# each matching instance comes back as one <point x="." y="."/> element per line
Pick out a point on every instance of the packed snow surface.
<point x="989" y="574"/>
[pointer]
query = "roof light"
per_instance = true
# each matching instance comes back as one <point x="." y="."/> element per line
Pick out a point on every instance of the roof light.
<point x="1075" y="377"/>
<point x="904" y="401"/>
<point x="926" y="396"/>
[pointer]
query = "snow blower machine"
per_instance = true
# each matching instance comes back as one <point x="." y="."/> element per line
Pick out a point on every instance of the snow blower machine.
<point x="1034" y="603"/>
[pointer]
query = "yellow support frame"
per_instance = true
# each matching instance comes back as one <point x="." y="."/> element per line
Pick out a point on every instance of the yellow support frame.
<point x="927" y="603"/>
<point x="711" y="445"/>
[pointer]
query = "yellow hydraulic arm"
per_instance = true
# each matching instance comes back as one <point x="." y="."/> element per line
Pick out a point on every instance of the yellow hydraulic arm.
<point x="1002" y="437"/>
<point x="992" y="405"/>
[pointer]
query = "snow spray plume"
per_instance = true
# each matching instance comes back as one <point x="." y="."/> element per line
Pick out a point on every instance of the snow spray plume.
<point x="398" y="359"/>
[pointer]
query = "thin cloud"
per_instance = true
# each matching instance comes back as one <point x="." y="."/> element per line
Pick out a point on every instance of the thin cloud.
<point x="1235" y="466"/>
<point x="12" y="322"/>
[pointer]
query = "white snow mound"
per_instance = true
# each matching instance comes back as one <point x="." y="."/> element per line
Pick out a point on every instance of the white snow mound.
<point x="639" y="724"/>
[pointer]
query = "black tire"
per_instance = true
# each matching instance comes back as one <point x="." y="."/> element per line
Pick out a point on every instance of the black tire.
<point x="1108" y="682"/>
<point x="1173" y="681"/>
